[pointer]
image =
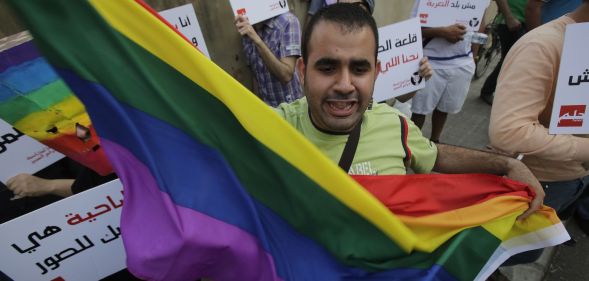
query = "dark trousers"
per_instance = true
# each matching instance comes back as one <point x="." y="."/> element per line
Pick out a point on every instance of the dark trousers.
<point x="507" y="39"/>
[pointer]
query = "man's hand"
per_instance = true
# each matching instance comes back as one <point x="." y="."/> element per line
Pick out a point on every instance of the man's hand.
<point x="24" y="185"/>
<point x="519" y="172"/>
<point x="454" y="33"/>
<point x="457" y="160"/>
<point x="244" y="28"/>
<point x="425" y="69"/>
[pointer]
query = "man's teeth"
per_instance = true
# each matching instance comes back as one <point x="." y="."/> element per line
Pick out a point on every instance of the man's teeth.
<point x="341" y="105"/>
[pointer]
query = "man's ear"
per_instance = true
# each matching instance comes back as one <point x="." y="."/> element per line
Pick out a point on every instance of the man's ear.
<point x="377" y="69"/>
<point x="301" y="70"/>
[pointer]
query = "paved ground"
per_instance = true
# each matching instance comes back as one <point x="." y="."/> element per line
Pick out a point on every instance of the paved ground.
<point x="562" y="263"/>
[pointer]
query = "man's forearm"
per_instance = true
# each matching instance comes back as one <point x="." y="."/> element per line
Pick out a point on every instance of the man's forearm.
<point x="457" y="160"/>
<point x="503" y="8"/>
<point x="432" y="32"/>
<point x="279" y="69"/>
<point x="533" y="14"/>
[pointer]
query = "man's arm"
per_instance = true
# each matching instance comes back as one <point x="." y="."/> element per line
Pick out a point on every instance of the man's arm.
<point x="513" y="24"/>
<point x="25" y="185"/>
<point x="523" y="91"/>
<point x="456" y="160"/>
<point x="452" y="33"/>
<point x="283" y="68"/>
<point x="534" y="14"/>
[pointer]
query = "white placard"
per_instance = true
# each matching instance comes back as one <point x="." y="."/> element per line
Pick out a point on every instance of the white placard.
<point x="259" y="10"/>
<point x="20" y="153"/>
<point x="185" y="21"/>
<point x="399" y="52"/>
<point x="443" y="13"/>
<point x="569" y="111"/>
<point x="77" y="238"/>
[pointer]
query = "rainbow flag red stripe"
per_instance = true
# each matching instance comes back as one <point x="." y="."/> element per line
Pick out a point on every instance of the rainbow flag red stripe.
<point x="218" y="186"/>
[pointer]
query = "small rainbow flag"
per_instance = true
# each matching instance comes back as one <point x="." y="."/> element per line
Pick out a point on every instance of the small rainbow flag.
<point x="218" y="186"/>
<point x="37" y="102"/>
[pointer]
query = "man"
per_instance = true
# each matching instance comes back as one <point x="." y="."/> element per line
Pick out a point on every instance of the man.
<point x="271" y="48"/>
<point x="338" y="69"/>
<point x="521" y="115"/>
<point x="453" y="63"/>
<point x="542" y="11"/>
<point x="315" y="5"/>
<point x="510" y="28"/>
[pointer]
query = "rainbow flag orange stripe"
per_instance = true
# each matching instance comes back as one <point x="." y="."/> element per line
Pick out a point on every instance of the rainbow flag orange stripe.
<point x="218" y="186"/>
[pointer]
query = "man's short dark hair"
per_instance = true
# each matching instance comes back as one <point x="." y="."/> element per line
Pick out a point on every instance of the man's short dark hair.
<point x="349" y="16"/>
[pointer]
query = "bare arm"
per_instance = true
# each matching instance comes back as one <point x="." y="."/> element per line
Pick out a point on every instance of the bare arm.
<point x="283" y="68"/>
<point x="452" y="33"/>
<point x="24" y="185"/>
<point x="513" y="24"/>
<point x="454" y="160"/>
<point x="533" y="14"/>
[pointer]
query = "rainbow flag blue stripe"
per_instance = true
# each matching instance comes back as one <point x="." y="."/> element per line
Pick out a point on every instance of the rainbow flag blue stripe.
<point x="218" y="186"/>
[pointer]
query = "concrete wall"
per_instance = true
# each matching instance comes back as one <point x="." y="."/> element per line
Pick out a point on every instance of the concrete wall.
<point x="216" y="21"/>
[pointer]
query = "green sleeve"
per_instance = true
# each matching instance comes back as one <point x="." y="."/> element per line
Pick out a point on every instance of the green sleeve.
<point x="423" y="151"/>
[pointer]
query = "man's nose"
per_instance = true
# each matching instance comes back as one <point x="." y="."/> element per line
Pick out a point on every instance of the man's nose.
<point x="344" y="82"/>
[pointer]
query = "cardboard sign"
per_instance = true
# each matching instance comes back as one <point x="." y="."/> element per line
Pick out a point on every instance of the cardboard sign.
<point x="185" y="21"/>
<point x="399" y="52"/>
<point x="77" y="238"/>
<point x="20" y="153"/>
<point x="259" y="10"/>
<point x="571" y="100"/>
<point x="443" y="13"/>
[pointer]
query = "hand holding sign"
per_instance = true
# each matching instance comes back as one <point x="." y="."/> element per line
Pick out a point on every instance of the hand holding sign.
<point x="454" y="33"/>
<point x="246" y="29"/>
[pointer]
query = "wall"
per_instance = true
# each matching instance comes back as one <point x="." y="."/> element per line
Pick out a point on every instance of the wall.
<point x="216" y="22"/>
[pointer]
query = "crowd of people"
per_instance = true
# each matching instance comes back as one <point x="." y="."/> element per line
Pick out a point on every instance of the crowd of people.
<point x="320" y="79"/>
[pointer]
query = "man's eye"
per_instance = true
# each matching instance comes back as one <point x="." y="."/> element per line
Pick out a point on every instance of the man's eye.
<point x="326" y="68"/>
<point x="360" y="69"/>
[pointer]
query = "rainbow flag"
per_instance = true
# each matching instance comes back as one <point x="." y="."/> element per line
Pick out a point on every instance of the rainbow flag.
<point x="218" y="186"/>
<point x="37" y="102"/>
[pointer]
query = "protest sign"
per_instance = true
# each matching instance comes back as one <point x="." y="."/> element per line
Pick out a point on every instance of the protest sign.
<point x="259" y="10"/>
<point x="20" y="153"/>
<point x="572" y="88"/>
<point x="443" y="13"/>
<point x="399" y="52"/>
<point x="184" y="20"/>
<point x="77" y="238"/>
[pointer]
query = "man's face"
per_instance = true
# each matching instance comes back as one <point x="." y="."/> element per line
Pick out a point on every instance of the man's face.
<point x="338" y="79"/>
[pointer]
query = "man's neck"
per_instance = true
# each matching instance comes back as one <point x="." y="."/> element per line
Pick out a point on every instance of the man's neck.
<point x="581" y="14"/>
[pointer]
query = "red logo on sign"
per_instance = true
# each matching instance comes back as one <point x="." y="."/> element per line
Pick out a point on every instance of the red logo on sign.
<point x="423" y="18"/>
<point x="241" y="11"/>
<point x="571" y="115"/>
<point x="58" y="279"/>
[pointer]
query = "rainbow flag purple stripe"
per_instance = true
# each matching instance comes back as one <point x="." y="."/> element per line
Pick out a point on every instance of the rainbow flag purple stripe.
<point x="216" y="184"/>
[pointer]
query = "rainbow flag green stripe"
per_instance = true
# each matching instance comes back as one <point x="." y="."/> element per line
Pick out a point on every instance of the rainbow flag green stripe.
<point x="195" y="114"/>
<point x="218" y="186"/>
<point x="20" y="106"/>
